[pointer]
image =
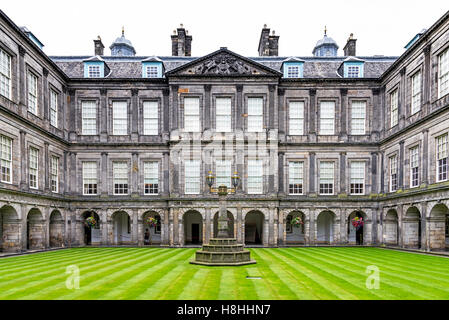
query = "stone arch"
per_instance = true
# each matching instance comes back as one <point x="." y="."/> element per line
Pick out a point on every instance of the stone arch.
<point x="412" y="228"/>
<point x="391" y="228"/>
<point x="255" y="227"/>
<point x="192" y="224"/>
<point x="326" y="227"/>
<point x="359" y="235"/>
<point x="121" y="227"/>
<point x="56" y="229"/>
<point x="89" y="235"/>
<point x="154" y="235"/>
<point x="10" y="229"/>
<point x="35" y="229"/>
<point x="231" y="221"/>
<point x="438" y="227"/>
<point x="294" y="234"/>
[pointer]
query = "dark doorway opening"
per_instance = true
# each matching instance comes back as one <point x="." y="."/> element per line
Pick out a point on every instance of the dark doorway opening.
<point x="195" y="233"/>
<point x="87" y="235"/>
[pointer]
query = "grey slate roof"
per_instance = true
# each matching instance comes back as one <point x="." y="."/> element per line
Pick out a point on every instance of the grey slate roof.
<point x="131" y="67"/>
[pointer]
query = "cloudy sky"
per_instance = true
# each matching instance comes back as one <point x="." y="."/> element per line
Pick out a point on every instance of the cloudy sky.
<point x="380" y="26"/>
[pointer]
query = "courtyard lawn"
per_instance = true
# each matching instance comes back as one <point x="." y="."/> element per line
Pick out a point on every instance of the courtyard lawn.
<point x="165" y="273"/>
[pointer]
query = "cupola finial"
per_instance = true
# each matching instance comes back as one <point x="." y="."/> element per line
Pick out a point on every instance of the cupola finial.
<point x="325" y="30"/>
<point x="123" y="31"/>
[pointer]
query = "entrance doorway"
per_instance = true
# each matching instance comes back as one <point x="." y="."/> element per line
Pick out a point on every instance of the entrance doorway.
<point x="195" y="233"/>
<point x="254" y="228"/>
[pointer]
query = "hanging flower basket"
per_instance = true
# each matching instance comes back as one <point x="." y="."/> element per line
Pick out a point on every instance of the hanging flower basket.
<point x="151" y="221"/>
<point x="91" y="222"/>
<point x="357" y="222"/>
<point x="297" y="222"/>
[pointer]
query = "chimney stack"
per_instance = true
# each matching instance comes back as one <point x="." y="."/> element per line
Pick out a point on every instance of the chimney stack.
<point x="268" y="44"/>
<point x="349" y="49"/>
<point x="181" y="42"/>
<point x="99" y="47"/>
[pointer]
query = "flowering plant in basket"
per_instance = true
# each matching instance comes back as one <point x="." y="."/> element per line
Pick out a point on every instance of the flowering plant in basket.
<point x="151" y="221"/>
<point x="297" y="221"/>
<point x="91" y="222"/>
<point x="357" y="222"/>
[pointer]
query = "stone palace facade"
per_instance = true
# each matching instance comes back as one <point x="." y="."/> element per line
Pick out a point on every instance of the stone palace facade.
<point x="326" y="138"/>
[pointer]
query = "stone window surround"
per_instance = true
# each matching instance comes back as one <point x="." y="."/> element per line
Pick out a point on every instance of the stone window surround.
<point x="214" y="167"/>
<point x="305" y="100"/>
<point x="213" y="111"/>
<point x="394" y="87"/>
<point x="182" y="176"/>
<point x="141" y="177"/>
<point x="60" y="168"/>
<point x="110" y="118"/>
<point x="337" y="102"/>
<point x="407" y="164"/>
<point x="433" y="145"/>
<point x="40" y="164"/>
<point x="264" y="108"/>
<point x="128" y="161"/>
<point x="265" y="165"/>
<point x="305" y="173"/>
<point x="336" y="186"/>
<point x="59" y="106"/>
<point x="388" y="168"/>
<point x="140" y="117"/>
<point x="435" y="71"/>
<point x="79" y="103"/>
<point x="368" y="108"/>
<point x="39" y="99"/>
<point x="14" y="90"/>
<point x="409" y="99"/>
<point x="181" y="98"/>
<point x="15" y="146"/>
<point x="79" y="165"/>
<point x="366" y="178"/>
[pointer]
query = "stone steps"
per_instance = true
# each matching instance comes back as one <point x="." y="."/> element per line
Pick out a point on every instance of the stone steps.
<point x="223" y="252"/>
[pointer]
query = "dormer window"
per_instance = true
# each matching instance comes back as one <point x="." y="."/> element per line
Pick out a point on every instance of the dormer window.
<point x="152" y="71"/>
<point x="293" y="68"/>
<point x="353" y="69"/>
<point x="152" y="68"/>
<point x="293" y="72"/>
<point x="94" y="69"/>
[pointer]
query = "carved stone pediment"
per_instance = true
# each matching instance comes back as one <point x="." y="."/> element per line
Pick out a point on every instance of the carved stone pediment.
<point x="222" y="63"/>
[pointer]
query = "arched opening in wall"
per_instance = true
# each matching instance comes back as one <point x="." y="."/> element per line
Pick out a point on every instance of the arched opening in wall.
<point x="193" y="227"/>
<point x="325" y="227"/>
<point x="9" y="230"/>
<point x="438" y="227"/>
<point x="90" y="228"/>
<point x="56" y="229"/>
<point x="391" y="234"/>
<point x="295" y="228"/>
<point x="151" y="228"/>
<point x="356" y="234"/>
<point x="254" y="223"/>
<point x="121" y="225"/>
<point x="412" y="228"/>
<point x="230" y="218"/>
<point x="35" y="230"/>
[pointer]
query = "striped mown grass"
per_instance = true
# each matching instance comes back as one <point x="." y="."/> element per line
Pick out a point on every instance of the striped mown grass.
<point x="164" y="273"/>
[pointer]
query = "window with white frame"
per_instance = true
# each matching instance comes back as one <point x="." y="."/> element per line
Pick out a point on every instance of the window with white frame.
<point x="54" y="173"/>
<point x="414" y="166"/>
<point x="151" y="177"/>
<point x="327" y="117"/>
<point x="357" y="177"/>
<point x="53" y="108"/>
<point x="34" y="167"/>
<point x="223" y="173"/>
<point x="119" y="118"/>
<point x="393" y="173"/>
<point x="6" y="159"/>
<point x="5" y="74"/>
<point x="442" y="157"/>
<point x="255" y="115"/>
<point x="89" y="177"/>
<point x="152" y="71"/>
<point x="296" y="117"/>
<point x="120" y="175"/>
<point x="255" y="177"/>
<point x="150" y="118"/>
<point x="443" y="74"/>
<point x="416" y="92"/>
<point x="353" y="71"/>
<point x="293" y="72"/>
<point x="223" y="117"/>
<point x="93" y="71"/>
<point x="326" y="177"/>
<point x="32" y="93"/>
<point x="295" y="177"/>
<point x="192" y="114"/>
<point x="88" y="117"/>
<point x="394" y="113"/>
<point x="358" y="117"/>
<point x="192" y="183"/>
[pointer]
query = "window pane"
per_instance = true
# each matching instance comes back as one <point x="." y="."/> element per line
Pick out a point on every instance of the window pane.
<point x="192" y="176"/>
<point x="151" y="177"/>
<point x="5" y="74"/>
<point x="416" y="92"/>
<point x="223" y="115"/>
<point x="192" y="114"/>
<point x="394" y="107"/>
<point x="6" y="158"/>
<point x="223" y="170"/>
<point x="327" y="117"/>
<point x="120" y="118"/>
<point x="150" y="118"/>
<point x="296" y="117"/>
<point x="120" y="174"/>
<point x="255" y="177"/>
<point x="358" y="115"/>
<point x="89" y="177"/>
<point x="255" y="115"/>
<point x="89" y="117"/>
<point x="295" y="177"/>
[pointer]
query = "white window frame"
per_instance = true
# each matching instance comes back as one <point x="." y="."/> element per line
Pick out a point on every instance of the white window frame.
<point x="152" y="71"/>
<point x="89" y="118"/>
<point x="150" y="118"/>
<point x="416" y="92"/>
<point x="442" y="158"/>
<point x="5" y="159"/>
<point x="192" y="122"/>
<point x="54" y="174"/>
<point x="443" y="73"/>
<point x="119" y="118"/>
<point x="93" y="71"/>
<point x="293" y="71"/>
<point x="223" y="114"/>
<point x="33" y="167"/>
<point x="358" y="117"/>
<point x="32" y="92"/>
<point x="192" y="175"/>
<point x="394" y="112"/>
<point x="296" y="118"/>
<point x="255" y="176"/>
<point x="327" y="117"/>
<point x="90" y="178"/>
<point x="353" y="71"/>
<point x="393" y="173"/>
<point x="54" y="108"/>
<point x="324" y="180"/>
<point x="295" y="177"/>
<point x="414" y="164"/>
<point x="357" y="167"/>
<point x="255" y="114"/>
<point x="120" y="176"/>
<point x="5" y="74"/>
<point x="223" y="172"/>
<point x="151" y="184"/>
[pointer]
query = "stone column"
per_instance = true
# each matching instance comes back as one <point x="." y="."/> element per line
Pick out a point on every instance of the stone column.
<point x="271" y="236"/>
<point x="312" y="227"/>
<point x="73" y="182"/>
<point x="103" y="125"/>
<point x="427" y="68"/>
<point x="46" y="216"/>
<point x="266" y="228"/>
<point x="166" y="174"/>
<point x="312" y="173"/>
<point x="134" y="230"/>
<point x="171" y="226"/>
<point x="22" y="80"/>
<point x="401" y="165"/>
<point x="240" y="222"/>
<point x="104" y="227"/>
<point x="271" y="182"/>
<point x="207" y="107"/>
<point x="343" y="177"/>
<point x="400" y="225"/>
<point x="425" y="158"/>
<point x="312" y="116"/>
<point x="45" y="94"/>
<point x="174" y="121"/>
<point x="73" y="116"/>
<point x="23" y="167"/>
<point x="373" y="172"/>
<point x="374" y="226"/>
<point x="64" y="185"/>
<point x="175" y="172"/>
<point x="134" y="115"/>
<point x="401" y="101"/>
<point x="343" y="227"/>
<point x="271" y="107"/>
<point x="46" y="168"/>
<point x="382" y="172"/>
<point x="424" y="235"/>
<point x="135" y="175"/>
<point x="177" y="236"/>
<point x="239" y="108"/>
<point x="281" y="114"/>
<point x="165" y="112"/>
<point x="343" y="111"/>
<point x="275" y="226"/>
<point x="208" y="231"/>
<point x="104" y="174"/>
